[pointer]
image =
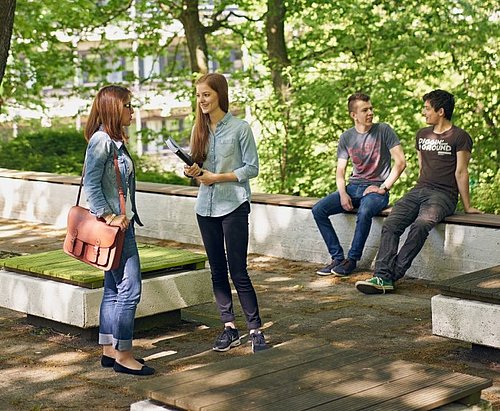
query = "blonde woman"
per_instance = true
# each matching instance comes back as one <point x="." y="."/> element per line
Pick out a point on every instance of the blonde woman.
<point x="225" y="148"/>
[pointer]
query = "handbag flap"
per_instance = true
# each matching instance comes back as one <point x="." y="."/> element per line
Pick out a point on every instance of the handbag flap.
<point x="89" y="229"/>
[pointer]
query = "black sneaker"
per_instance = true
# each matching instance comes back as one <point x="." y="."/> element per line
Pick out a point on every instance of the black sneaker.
<point x="327" y="270"/>
<point x="258" y="342"/>
<point x="345" y="268"/>
<point x="228" y="339"/>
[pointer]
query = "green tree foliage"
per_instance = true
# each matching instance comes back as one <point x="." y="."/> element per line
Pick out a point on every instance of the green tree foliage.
<point x="395" y="51"/>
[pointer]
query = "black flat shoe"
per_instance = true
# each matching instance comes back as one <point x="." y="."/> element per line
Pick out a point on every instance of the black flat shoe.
<point x="108" y="362"/>
<point x="145" y="370"/>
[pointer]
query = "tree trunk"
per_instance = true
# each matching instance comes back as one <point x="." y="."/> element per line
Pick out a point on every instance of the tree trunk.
<point x="278" y="60"/>
<point x="7" y="8"/>
<point x="276" y="46"/>
<point x="195" y="36"/>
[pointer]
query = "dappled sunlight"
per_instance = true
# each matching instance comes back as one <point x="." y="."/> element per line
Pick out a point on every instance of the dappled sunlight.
<point x="270" y="219"/>
<point x="27" y="239"/>
<point x="295" y="303"/>
<point x="277" y="279"/>
<point x="262" y="259"/>
<point x="65" y="358"/>
<point x="66" y="396"/>
<point x="489" y="284"/>
<point x="320" y="283"/>
<point x="148" y="343"/>
<point x="161" y="354"/>
<point x="34" y="375"/>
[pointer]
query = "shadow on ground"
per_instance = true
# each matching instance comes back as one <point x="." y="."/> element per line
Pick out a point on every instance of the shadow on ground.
<point x="41" y="369"/>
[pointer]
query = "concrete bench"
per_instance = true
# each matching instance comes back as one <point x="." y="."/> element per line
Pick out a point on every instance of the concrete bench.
<point x="280" y="225"/>
<point x="66" y="294"/>
<point x="468" y="308"/>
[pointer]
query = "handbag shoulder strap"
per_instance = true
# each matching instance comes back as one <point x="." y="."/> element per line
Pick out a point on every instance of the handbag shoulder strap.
<point x="118" y="181"/>
<point x="81" y="185"/>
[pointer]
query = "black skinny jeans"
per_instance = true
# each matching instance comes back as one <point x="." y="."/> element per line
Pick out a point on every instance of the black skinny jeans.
<point x="421" y="209"/>
<point x="230" y="230"/>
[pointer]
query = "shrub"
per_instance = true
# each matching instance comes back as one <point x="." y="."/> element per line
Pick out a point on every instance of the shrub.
<point x="62" y="151"/>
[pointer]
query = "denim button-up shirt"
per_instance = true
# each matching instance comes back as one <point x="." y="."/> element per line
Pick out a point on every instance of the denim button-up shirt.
<point x="230" y="149"/>
<point x="99" y="181"/>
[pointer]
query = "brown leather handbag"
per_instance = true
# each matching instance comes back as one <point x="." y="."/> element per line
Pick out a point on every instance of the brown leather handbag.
<point x="89" y="239"/>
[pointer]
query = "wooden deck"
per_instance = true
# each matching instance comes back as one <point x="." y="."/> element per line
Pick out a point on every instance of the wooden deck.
<point x="305" y="375"/>
<point x="483" y="285"/>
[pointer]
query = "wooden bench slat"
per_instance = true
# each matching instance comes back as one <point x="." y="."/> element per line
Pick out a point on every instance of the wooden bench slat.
<point x="284" y="384"/>
<point x="249" y="381"/>
<point x="340" y="389"/>
<point x="234" y="374"/>
<point x="380" y="393"/>
<point x="294" y="348"/>
<point x="482" y="285"/>
<point x="454" y="389"/>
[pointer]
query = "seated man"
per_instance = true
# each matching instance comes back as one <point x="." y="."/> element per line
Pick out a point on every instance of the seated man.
<point x="370" y="147"/>
<point x="444" y="151"/>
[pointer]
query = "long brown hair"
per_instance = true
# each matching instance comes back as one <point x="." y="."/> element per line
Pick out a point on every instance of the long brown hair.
<point x="107" y="110"/>
<point x="199" y="140"/>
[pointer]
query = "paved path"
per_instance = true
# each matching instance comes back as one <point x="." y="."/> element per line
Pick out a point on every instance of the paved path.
<point x="44" y="370"/>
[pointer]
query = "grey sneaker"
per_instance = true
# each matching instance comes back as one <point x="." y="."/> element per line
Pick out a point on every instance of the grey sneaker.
<point x="228" y="339"/>
<point x="345" y="268"/>
<point x="258" y="342"/>
<point x="327" y="270"/>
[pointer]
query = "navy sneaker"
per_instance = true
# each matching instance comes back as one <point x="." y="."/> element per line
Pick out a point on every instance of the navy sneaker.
<point x="228" y="339"/>
<point x="258" y="342"/>
<point x="327" y="270"/>
<point x="345" y="268"/>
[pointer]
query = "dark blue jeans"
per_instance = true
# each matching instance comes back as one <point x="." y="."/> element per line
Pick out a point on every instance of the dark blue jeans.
<point x="122" y="292"/>
<point x="226" y="243"/>
<point x="421" y="209"/>
<point x="368" y="206"/>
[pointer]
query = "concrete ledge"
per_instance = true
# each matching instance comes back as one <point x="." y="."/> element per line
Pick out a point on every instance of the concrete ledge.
<point x="466" y="320"/>
<point x="280" y="226"/>
<point x="149" y="405"/>
<point x="79" y="306"/>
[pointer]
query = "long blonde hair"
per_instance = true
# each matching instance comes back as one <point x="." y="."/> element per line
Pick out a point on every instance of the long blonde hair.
<point x="199" y="139"/>
<point x="107" y="110"/>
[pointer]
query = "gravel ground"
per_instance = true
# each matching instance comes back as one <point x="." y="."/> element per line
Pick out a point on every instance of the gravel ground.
<point x="41" y="369"/>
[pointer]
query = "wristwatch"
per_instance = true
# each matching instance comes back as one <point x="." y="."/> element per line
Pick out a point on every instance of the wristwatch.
<point x="383" y="187"/>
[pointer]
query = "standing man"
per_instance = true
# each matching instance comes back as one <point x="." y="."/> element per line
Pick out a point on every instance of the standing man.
<point x="444" y="151"/>
<point x="370" y="147"/>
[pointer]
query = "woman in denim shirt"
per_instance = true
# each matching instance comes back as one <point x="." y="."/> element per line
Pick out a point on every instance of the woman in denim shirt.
<point x="104" y="131"/>
<point x="225" y="147"/>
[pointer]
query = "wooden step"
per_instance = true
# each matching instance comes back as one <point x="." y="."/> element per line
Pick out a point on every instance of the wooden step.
<point x="482" y="285"/>
<point x="305" y="374"/>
